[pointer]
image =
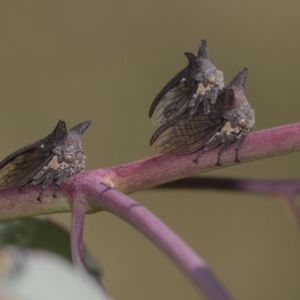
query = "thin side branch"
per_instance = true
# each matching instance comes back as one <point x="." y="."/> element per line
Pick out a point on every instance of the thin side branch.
<point x="278" y="188"/>
<point x="102" y="197"/>
<point x="78" y="214"/>
<point x="284" y="189"/>
<point x="77" y="223"/>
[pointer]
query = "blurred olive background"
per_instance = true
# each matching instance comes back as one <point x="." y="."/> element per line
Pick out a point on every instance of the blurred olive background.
<point x="106" y="61"/>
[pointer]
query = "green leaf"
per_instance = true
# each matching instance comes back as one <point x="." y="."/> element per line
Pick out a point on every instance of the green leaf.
<point x="42" y="234"/>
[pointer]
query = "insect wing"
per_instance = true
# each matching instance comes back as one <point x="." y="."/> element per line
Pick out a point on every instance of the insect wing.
<point x="186" y="134"/>
<point x="20" y="167"/>
<point x="173" y="100"/>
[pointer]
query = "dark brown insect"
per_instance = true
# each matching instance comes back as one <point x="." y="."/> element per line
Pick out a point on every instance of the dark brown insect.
<point x="199" y="82"/>
<point x="230" y="120"/>
<point x="51" y="159"/>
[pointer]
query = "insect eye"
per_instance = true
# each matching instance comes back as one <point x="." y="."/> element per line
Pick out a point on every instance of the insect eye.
<point x="211" y="80"/>
<point x="67" y="159"/>
<point x="242" y="123"/>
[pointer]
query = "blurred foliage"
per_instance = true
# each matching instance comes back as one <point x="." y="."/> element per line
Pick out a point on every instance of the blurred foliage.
<point x="39" y="275"/>
<point x="41" y="234"/>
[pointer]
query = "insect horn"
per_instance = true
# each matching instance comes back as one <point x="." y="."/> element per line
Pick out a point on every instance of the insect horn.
<point x="239" y="80"/>
<point x="202" y="52"/>
<point x="191" y="57"/>
<point x="59" y="132"/>
<point x="61" y="126"/>
<point x="80" y="128"/>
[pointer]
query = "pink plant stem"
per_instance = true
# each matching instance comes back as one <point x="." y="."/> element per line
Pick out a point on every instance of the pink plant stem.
<point x="149" y="172"/>
<point x="77" y="222"/>
<point x="101" y="197"/>
<point x="159" y="169"/>
<point x="78" y="214"/>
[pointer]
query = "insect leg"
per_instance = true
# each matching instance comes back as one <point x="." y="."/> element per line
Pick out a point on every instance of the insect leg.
<point x="198" y="156"/>
<point x="214" y="95"/>
<point x="225" y="146"/>
<point x="39" y="198"/>
<point x="209" y="100"/>
<point x="62" y="177"/>
<point x="206" y="105"/>
<point x="40" y="177"/>
<point x="50" y="176"/>
<point x="238" y="145"/>
<point x="195" y="102"/>
<point x="214" y="142"/>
